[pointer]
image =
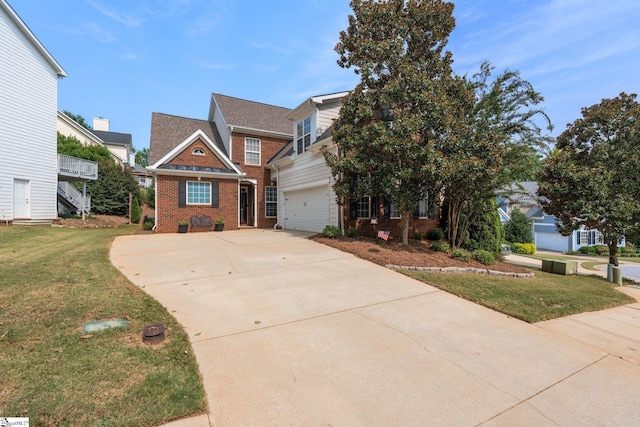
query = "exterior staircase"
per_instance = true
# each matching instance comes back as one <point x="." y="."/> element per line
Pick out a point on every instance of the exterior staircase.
<point x="72" y="198"/>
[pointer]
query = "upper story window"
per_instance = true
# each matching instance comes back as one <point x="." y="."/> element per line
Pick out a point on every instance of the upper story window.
<point x="252" y="151"/>
<point x="198" y="152"/>
<point x="303" y="135"/>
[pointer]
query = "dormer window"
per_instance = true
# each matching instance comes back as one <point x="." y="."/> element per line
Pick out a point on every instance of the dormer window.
<point x="303" y="134"/>
<point x="198" y="152"/>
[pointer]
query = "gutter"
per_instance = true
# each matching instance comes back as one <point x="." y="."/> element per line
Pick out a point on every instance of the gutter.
<point x="277" y="224"/>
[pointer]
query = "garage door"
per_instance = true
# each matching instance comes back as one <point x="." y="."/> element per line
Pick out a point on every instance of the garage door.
<point x="307" y="209"/>
<point x="552" y="242"/>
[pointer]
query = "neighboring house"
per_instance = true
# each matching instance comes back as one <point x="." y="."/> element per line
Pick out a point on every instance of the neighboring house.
<point x="305" y="195"/>
<point x="28" y="104"/>
<point x="119" y="144"/>
<point x="216" y="168"/>
<point x="69" y="127"/>
<point x="524" y="197"/>
<point x="142" y="176"/>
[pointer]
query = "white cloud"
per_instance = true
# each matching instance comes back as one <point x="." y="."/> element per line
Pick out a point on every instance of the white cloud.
<point x="125" y="19"/>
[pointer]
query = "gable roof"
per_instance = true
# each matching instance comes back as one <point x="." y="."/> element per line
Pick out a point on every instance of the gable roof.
<point x="168" y="131"/>
<point x="32" y="38"/>
<point x="163" y="165"/>
<point x="253" y="115"/>
<point x="115" y="138"/>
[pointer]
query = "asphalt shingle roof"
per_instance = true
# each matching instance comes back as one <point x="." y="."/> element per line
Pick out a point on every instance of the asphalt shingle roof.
<point x="255" y="115"/>
<point x="113" y="137"/>
<point x="169" y="131"/>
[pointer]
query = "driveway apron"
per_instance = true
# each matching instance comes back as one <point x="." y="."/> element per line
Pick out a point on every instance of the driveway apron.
<point x="287" y="331"/>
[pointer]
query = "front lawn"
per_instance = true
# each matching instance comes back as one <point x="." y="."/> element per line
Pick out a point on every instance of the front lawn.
<point x="544" y="297"/>
<point x="52" y="281"/>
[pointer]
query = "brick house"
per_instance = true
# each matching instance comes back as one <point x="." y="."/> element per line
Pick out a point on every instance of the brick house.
<point x="216" y="168"/>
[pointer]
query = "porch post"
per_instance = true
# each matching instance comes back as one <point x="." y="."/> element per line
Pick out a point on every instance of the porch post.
<point x="84" y="198"/>
<point x="255" y="205"/>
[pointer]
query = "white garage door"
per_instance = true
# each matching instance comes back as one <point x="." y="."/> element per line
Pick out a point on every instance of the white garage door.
<point x="552" y="242"/>
<point x="307" y="209"/>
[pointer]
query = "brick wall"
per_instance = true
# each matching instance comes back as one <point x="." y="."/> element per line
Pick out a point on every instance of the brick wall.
<point x="268" y="148"/>
<point x="169" y="213"/>
<point x="209" y="159"/>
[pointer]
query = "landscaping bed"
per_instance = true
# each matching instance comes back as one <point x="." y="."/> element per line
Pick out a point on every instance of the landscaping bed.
<point x="416" y="254"/>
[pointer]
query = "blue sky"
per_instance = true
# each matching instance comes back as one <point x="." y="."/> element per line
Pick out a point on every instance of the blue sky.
<point x="127" y="59"/>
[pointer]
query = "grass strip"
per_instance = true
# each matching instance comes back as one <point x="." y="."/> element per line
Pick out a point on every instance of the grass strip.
<point x="546" y="296"/>
<point x="52" y="281"/>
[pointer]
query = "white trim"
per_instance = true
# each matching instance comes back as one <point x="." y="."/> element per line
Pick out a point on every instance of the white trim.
<point x="247" y="151"/>
<point x="199" y="134"/>
<point x="313" y="101"/>
<point x="304" y="186"/>
<point x="259" y="132"/>
<point x="33" y="39"/>
<point x="196" y="174"/>
<point x="187" y="193"/>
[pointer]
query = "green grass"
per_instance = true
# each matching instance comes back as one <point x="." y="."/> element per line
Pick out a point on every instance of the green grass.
<point x="544" y="297"/>
<point x="52" y="281"/>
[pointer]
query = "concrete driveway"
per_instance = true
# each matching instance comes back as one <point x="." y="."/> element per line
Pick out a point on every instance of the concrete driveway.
<point x="290" y="332"/>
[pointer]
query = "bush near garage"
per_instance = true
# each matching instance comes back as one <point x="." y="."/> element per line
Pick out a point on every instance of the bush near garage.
<point x="523" y="248"/>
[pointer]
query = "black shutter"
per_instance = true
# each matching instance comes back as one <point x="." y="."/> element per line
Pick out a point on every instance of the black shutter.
<point x="353" y="210"/>
<point x="182" y="193"/>
<point x="387" y="208"/>
<point x="416" y="213"/>
<point x="215" y="195"/>
<point x="375" y="207"/>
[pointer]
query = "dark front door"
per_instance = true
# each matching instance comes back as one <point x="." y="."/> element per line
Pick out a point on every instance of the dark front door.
<point x="243" y="205"/>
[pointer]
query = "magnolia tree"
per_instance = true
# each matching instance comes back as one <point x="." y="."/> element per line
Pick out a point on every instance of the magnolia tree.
<point x="391" y="125"/>
<point x="593" y="179"/>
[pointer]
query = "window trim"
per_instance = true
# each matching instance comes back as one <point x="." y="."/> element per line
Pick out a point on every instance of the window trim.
<point x="302" y="142"/>
<point x="359" y="201"/>
<point x="426" y="209"/>
<point x="268" y="203"/>
<point x="188" y="192"/>
<point x="248" y="139"/>
<point x="392" y="207"/>
<point x="198" y="152"/>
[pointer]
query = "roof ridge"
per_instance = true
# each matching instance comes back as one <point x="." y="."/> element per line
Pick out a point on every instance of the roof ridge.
<point x="248" y="100"/>
<point x="180" y="117"/>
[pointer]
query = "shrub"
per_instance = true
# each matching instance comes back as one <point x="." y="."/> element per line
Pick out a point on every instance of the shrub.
<point x="435" y="234"/>
<point x="331" y="231"/>
<point x="587" y="250"/>
<point x="352" y="232"/>
<point x="601" y="249"/>
<point x="486" y="231"/>
<point x="441" y="247"/>
<point x="518" y="229"/>
<point x="523" y="248"/>
<point x="135" y="211"/>
<point x="147" y="224"/>
<point x="418" y="235"/>
<point x="483" y="257"/>
<point x="461" y="254"/>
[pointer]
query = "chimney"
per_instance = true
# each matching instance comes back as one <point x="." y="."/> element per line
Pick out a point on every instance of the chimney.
<point x="101" y="123"/>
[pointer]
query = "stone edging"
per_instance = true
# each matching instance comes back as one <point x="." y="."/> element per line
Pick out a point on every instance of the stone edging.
<point x="460" y="270"/>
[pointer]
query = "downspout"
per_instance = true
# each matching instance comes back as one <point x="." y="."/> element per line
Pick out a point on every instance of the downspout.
<point x="155" y="204"/>
<point x="275" y="226"/>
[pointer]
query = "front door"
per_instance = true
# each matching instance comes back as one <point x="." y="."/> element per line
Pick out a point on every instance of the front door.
<point x="21" y="199"/>
<point x="243" y="205"/>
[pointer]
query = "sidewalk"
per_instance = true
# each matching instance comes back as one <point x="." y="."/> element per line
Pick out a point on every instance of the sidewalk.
<point x="531" y="262"/>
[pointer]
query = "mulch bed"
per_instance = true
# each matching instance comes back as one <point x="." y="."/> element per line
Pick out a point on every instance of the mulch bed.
<point x="416" y="254"/>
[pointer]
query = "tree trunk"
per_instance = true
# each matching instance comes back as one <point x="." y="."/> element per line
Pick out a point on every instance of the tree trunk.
<point x="405" y="216"/>
<point x="453" y="222"/>
<point x="613" y="252"/>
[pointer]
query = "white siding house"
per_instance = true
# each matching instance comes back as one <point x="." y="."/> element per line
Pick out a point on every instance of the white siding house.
<point x="28" y="105"/>
<point x="306" y="197"/>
